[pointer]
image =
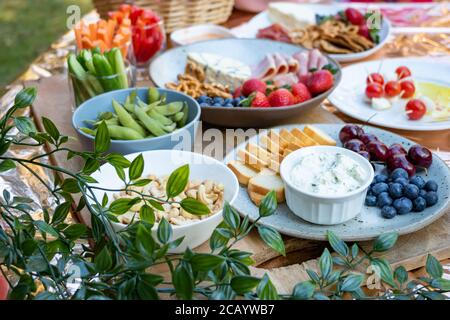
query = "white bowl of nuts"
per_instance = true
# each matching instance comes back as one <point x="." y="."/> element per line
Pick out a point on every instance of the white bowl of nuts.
<point x="210" y="182"/>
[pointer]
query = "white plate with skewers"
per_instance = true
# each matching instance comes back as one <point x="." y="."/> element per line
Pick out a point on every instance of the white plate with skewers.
<point x="374" y="92"/>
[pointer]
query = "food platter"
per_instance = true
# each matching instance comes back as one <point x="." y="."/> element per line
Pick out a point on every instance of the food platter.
<point x="350" y="99"/>
<point x="369" y="223"/>
<point x="262" y="20"/>
<point x="166" y="67"/>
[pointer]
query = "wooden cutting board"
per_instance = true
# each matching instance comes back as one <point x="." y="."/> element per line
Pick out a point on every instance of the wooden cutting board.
<point x="54" y="101"/>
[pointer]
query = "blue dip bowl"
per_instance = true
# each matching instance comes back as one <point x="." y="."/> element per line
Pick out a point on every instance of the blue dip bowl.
<point x="181" y="138"/>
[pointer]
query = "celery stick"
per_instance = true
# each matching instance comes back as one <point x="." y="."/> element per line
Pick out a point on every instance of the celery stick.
<point x="105" y="73"/>
<point x="79" y="73"/>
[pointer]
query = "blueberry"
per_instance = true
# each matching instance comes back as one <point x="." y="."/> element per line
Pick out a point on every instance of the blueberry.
<point x="431" y="198"/>
<point x="380" y="178"/>
<point x="228" y="101"/>
<point x="218" y="100"/>
<point x="384" y="200"/>
<point x="379" y="188"/>
<point x="411" y="191"/>
<point x="418" y="181"/>
<point x="395" y="190"/>
<point x="399" y="173"/>
<point x="371" y="201"/>
<point x="229" y="105"/>
<point x="236" y="101"/>
<point x="419" y="204"/>
<point x="388" y="212"/>
<point x="422" y="193"/>
<point x="203" y="99"/>
<point x="431" y="185"/>
<point x="404" y="182"/>
<point x="217" y="105"/>
<point x="204" y="104"/>
<point x="403" y="205"/>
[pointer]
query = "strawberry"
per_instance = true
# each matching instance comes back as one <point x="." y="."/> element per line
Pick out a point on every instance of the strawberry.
<point x="304" y="78"/>
<point x="237" y="93"/>
<point x="300" y="92"/>
<point x="281" y="98"/>
<point x="253" y="85"/>
<point x="259" y="100"/>
<point x="320" y="81"/>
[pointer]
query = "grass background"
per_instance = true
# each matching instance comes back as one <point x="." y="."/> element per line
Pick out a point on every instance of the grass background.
<point x="27" y="28"/>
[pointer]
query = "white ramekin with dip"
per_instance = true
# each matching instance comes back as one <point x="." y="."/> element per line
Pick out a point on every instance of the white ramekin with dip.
<point x="326" y="185"/>
<point x="201" y="32"/>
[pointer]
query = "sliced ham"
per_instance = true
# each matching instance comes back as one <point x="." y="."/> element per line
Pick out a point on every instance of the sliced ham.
<point x="265" y="69"/>
<point x="313" y="59"/>
<point x="281" y="64"/>
<point x="302" y="58"/>
<point x="274" y="32"/>
<point x="322" y="62"/>
<point x="292" y="63"/>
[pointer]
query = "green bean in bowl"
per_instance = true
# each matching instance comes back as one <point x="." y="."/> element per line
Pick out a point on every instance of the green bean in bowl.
<point x="139" y="119"/>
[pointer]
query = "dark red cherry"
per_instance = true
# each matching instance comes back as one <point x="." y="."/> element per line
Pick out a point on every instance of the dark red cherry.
<point x="366" y="138"/>
<point x="365" y="154"/>
<point x="355" y="145"/>
<point x="401" y="161"/>
<point x="350" y="131"/>
<point x="395" y="149"/>
<point x="378" y="150"/>
<point x="420" y="156"/>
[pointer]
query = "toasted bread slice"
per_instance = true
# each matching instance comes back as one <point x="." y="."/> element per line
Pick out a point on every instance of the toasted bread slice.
<point x="304" y="138"/>
<point x="270" y="145"/>
<point x="287" y="135"/>
<point x="294" y="146"/>
<point x="275" y="137"/>
<point x="274" y="166"/>
<point x="319" y="136"/>
<point x="261" y="153"/>
<point x="267" y="171"/>
<point x="255" y="197"/>
<point x="263" y="183"/>
<point x="286" y="152"/>
<point x="251" y="160"/>
<point x="242" y="171"/>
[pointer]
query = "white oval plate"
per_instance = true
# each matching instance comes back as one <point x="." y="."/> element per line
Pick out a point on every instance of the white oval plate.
<point x="250" y="29"/>
<point x="349" y="97"/>
<point x="368" y="224"/>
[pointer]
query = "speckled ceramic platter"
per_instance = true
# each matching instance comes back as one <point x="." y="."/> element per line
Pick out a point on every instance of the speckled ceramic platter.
<point x="369" y="223"/>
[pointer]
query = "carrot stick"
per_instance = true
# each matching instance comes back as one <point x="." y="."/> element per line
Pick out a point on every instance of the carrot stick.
<point x="102" y="34"/>
<point x="100" y="44"/>
<point x="111" y="28"/>
<point x="86" y="43"/>
<point x="77" y="31"/>
<point x="93" y="31"/>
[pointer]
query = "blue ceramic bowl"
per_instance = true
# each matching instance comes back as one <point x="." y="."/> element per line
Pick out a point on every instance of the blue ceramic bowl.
<point x="182" y="138"/>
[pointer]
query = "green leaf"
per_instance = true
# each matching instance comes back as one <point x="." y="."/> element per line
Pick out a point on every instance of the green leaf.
<point x="268" y="204"/>
<point x="146" y="291"/>
<point x="303" y="290"/>
<point x="144" y="240"/>
<point x="183" y="281"/>
<point x="352" y="282"/>
<point x="141" y="182"/>
<point x="266" y="290"/>
<point x="118" y="160"/>
<point x="46" y="228"/>
<point x="434" y="267"/>
<point x="217" y="241"/>
<point x="164" y="231"/>
<point x="103" y="261"/>
<point x="120" y="206"/>
<point x="50" y="128"/>
<point x="205" y="261"/>
<point x="75" y="231"/>
<point x="442" y="284"/>
<point x="177" y="181"/>
<point x="120" y="173"/>
<point x="384" y="270"/>
<point x="4" y="146"/>
<point x="231" y="217"/>
<point x="90" y="166"/>
<point x="136" y="167"/>
<point x="147" y="214"/>
<point x="272" y="238"/>
<point x="25" y="97"/>
<point x="70" y="185"/>
<point x="155" y="204"/>
<point x="25" y="125"/>
<point x="102" y="140"/>
<point x="337" y="244"/>
<point x="7" y="165"/>
<point x="195" y="207"/>
<point x="433" y="295"/>
<point x="313" y="275"/>
<point x="61" y="212"/>
<point x="244" y="284"/>
<point x="385" y="241"/>
<point x="325" y="264"/>
<point x="401" y="274"/>
<point x="355" y="250"/>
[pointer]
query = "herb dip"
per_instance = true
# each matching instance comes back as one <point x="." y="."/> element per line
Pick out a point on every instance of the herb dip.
<point x="327" y="173"/>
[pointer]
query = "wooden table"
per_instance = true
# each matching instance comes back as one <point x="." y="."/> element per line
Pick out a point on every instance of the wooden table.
<point x="53" y="101"/>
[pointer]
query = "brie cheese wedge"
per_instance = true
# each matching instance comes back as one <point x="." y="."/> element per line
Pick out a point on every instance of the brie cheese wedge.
<point x="225" y="71"/>
<point x="290" y="15"/>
